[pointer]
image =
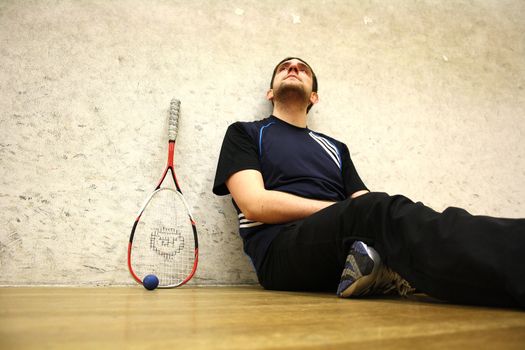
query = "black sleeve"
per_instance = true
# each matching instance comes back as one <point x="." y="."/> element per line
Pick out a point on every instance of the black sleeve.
<point x="352" y="181"/>
<point x="238" y="152"/>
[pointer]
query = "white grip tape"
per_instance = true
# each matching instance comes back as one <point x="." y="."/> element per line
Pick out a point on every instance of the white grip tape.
<point x="174" y="119"/>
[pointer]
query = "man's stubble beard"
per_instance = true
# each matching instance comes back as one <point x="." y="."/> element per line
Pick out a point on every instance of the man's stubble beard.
<point x="290" y="93"/>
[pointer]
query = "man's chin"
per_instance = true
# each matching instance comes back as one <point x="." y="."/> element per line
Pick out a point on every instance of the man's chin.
<point x="291" y="89"/>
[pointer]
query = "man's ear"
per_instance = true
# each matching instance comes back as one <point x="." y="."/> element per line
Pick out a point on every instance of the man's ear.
<point x="314" y="98"/>
<point x="269" y="95"/>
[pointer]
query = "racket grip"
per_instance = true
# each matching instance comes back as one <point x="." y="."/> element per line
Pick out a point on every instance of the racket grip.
<point x="173" y="119"/>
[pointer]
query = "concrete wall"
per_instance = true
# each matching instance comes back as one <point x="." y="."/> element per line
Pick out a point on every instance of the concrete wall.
<point x="429" y="96"/>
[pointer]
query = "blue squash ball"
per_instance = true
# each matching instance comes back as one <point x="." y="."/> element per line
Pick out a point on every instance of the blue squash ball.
<point x="150" y="282"/>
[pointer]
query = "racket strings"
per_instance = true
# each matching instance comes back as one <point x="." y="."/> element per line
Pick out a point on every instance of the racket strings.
<point x="164" y="243"/>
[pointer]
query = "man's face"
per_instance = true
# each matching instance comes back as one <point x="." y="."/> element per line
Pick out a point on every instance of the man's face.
<point x="292" y="77"/>
<point x="293" y="72"/>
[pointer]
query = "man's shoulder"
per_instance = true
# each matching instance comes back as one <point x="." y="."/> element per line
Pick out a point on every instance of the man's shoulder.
<point x="254" y="123"/>
<point x="251" y="128"/>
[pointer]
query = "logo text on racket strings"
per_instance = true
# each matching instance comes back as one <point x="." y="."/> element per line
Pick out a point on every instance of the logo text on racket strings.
<point x="166" y="241"/>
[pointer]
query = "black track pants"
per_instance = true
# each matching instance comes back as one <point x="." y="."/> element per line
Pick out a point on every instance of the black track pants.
<point x="452" y="255"/>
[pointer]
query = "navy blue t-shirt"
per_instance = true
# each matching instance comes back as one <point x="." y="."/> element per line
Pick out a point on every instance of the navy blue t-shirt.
<point x="291" y="159"/>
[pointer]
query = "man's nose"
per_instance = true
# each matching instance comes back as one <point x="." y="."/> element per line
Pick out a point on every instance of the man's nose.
<point x="293" y="67"/>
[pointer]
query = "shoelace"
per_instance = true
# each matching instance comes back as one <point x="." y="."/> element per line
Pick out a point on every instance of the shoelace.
<point x="387" y="282"/>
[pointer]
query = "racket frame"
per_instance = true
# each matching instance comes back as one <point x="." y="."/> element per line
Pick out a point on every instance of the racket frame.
<point x="169" y="167"/>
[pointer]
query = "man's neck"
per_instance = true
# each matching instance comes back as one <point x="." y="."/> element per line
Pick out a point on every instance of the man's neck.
<point x="292" y="114"/>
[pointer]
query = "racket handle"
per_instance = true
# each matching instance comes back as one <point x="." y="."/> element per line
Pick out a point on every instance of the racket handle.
<point x="174" y="119"/>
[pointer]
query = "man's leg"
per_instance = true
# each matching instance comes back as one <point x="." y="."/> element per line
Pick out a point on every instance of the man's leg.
<point x="310" y="254"/>
<point x="452" y="255"/>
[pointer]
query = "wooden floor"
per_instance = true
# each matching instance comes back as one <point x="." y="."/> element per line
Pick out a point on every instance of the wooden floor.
<point x="244" y="318"/>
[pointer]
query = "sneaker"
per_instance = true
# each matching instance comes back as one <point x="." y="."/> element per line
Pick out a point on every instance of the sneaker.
<point x="365" y="274"/>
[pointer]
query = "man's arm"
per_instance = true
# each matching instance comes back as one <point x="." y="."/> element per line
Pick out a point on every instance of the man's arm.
<point x="267" y="206"/>
<point x="359" y="193"/>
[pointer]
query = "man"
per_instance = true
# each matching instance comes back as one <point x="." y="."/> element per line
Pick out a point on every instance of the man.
<point x="309" y="223"/>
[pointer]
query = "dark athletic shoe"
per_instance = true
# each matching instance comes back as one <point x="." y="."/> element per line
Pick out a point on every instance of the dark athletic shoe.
<point x="365" y="274"/>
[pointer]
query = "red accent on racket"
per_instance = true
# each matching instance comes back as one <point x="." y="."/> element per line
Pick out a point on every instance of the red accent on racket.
<point x="163" y="240"/>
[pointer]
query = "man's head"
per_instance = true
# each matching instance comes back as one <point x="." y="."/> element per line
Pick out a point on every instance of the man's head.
<point x="294" y="68"/>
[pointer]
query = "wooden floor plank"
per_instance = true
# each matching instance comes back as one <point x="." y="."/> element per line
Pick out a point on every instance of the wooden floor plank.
<point x="244" y="318"/>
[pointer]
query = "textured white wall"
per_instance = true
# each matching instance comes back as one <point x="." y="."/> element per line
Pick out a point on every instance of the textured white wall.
<point x="428" y="95"/>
